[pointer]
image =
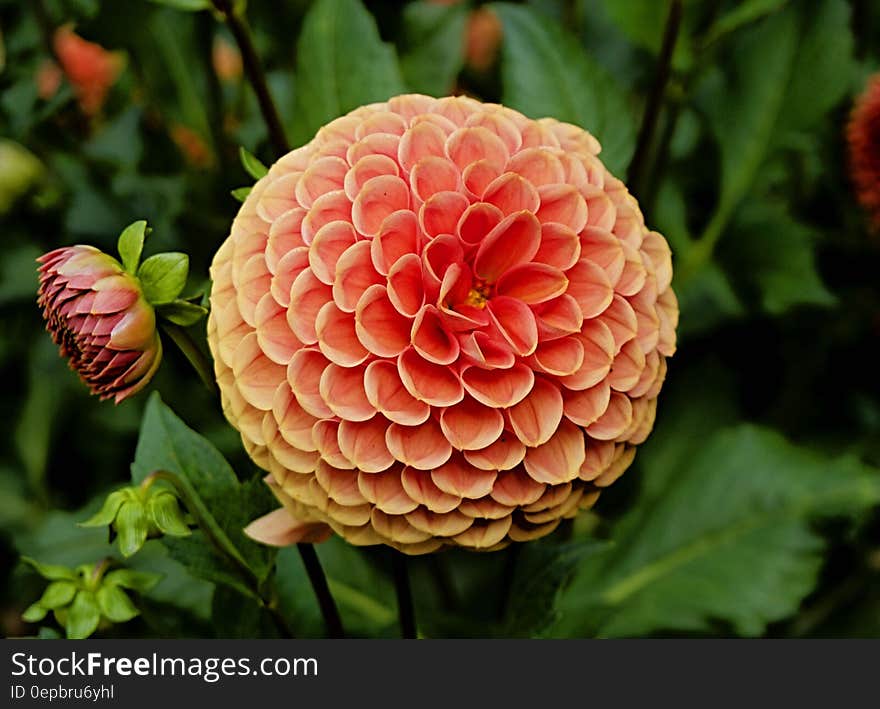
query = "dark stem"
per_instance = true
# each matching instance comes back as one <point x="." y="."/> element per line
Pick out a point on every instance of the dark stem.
<point x="332" y="621"/>
<point x="655" y="98"/>
<point x="443" y="581"/>
<point x="194" y="354"/>
<point x="405" y="610"/>
<point x="508" y="574"/>
<point x="255" y="74"/>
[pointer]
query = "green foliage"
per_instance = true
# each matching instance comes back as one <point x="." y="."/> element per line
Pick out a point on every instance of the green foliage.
<point x="434" y="46"/>
<point x="251" y="164"/>
<point x="163" y="276"/>
<point x="341" y="64"/>
<point x="546" y="73"/>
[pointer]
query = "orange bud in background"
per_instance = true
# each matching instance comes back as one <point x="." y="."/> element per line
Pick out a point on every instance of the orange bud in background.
<point x="190" y="143"/>
<point x="226" y="60"/>
<point x="863" y="138"/>
<point x="90" y="68"/>
<point x="482" y="38"/>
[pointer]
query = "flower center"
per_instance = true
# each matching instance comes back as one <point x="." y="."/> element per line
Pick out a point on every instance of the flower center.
<point x="478" y="295"/>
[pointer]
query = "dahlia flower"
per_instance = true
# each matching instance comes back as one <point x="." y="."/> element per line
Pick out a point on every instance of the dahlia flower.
<point x="863" y="137"/>
<point x="440" y="323"/>
<point x="97" y="314"/>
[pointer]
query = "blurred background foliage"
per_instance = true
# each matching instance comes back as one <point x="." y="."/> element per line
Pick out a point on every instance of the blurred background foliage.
<point x="753" y="508"/>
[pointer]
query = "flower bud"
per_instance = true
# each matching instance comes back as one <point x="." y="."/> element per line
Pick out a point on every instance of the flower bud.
<point x="97" y="314"/>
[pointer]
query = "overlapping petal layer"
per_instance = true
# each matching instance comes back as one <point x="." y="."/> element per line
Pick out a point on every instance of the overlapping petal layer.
<point x="441" y="323"/>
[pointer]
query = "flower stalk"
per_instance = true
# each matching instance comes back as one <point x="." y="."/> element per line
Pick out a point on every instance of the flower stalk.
<point x="403" y="589"/>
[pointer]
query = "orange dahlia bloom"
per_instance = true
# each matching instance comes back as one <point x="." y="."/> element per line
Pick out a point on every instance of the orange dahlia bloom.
<point x="441" y="323"/>
<point x="91" y="69"/>
<point x="97" y="314"/>
<point x="863" y="137"/>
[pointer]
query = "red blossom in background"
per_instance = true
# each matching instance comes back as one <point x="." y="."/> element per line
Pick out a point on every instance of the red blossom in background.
<point x="90" y="68"/>
<point x="441" y="322"/>
<point x="863" y="137"/>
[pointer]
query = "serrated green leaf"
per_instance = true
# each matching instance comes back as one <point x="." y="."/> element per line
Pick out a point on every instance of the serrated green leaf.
<point x="109" y="509"/>
<point x="434" y="36"/>
<point x="115" y="604"/>
<point x="58" y="594"/>
<point x="164" y="510"/>
<point x="241" y="193"/>
<point x="83" y="616"/>
<point x="34" y="613"/>
<point x="131" y="244"/>
<point x="181" y="312"/>
<point x="185" y="5"/>
<point x="728" y="540"/>
<point x="140" y="581"/>
<point x="546" y="73"/>
<point x="342" y="63"/>
<point x="53" y="572"/>
<point x="251" y="164"/>
<point x="132" y="527"/>
<point x="163" y="276"/>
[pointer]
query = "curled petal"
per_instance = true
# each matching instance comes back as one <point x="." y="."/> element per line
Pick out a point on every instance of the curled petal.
<point x="386" y="392"/>
<point x="460" y="478"/>
<point x="560" y="458"/>
<point x="423" y="447"/>
<point x="498" y="388"/>
<point x="535" y="419"/>
<point x="470" y="425"/>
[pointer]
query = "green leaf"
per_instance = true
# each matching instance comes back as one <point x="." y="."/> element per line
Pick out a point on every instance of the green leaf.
<point x="131" y="244"/>
<point x="58" y="594"/>
<point x="251" y="164"/>
<point x="776" y="255"/>
<point x="221" y="502"/>
<point x="241" y="193"/>
<point x="164" y="510"/>
<point x="34" y="613"/>
<point x="727" y="539"/>
<point x="52" y="572"/>
<point x="181" y="312"/>
<point x="140" y="581"/>
<point x="185" y="5"/>
<point x="643" y="23"/>
<point x="115" y="604"/>
<point x="107" y="514"/>
<point x="341" y="64"/>
<point x="132" y="527"/>
<point x="434" y="37"/>
<point x="163" y="276"/>
<point x="743" y="14"/>
<point x="83" y="616"/>
<point x="546" y="73"/>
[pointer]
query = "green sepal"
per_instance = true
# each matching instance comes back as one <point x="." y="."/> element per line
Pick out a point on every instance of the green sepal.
<point x="251" y="164"/>
<point x="163" y="276"/>
<point x="131" y="244"/>
<point x="182" y="312"/>
<point x="34" y="613"/>
<point x="115" y="604"/>
<point x="164" y="511"/>
<point x="109" y="509"/>
<point x="140" y="581"/>
<point x="241" y="193"/>
<point x="58" y="594"/>
<point x="53" y="572"/>
<point x="83" y="616"/>
<point x="132" y="527"/>
<point x="185" y="5"/>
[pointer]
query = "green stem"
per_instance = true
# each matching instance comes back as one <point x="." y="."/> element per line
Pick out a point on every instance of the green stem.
<point x="253" y="68"/>
<point x="194" y="354"/>
<point x="405" y="609"/>
<point x="332" y="620"/>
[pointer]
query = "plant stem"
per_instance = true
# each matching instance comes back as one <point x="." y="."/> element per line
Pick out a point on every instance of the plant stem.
<point x="256" y="76"/>
<point x="192" y="352"/>
<point x="655" y="98"/>
<point x="332" y="621"/>
<point x="405" y="610"/>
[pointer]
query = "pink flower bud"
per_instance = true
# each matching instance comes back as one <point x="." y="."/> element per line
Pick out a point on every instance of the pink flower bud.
<point x="98" y="316"/>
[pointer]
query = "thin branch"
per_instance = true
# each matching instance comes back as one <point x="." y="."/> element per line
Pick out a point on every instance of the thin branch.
<point x="194" y="354"/>
<point x="332" y="621"/>
<point x="655" y="98"/>
<point x="405" y="610"/>
<point x="256" y="76"/>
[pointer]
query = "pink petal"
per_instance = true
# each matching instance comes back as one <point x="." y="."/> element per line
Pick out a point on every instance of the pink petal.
<point x="439" y="525"/>
<point x="419" y="485"/>
<point x="559" y="317"/>
<point x="627" y="368"/>
<point x="441" y="212"/>
<point x="405" y="285"/>
<point x="536" y="418"/>
<point x="273" y="333"/>
<point x="538" y="165"/>
<point x="324" y="175"/>
<point x="423" y="446"/>
<point x="500" y="125"/>
<point x="598" y="344"/>
<point x="517" y="488"/>
<point x="621" y="320"/>
<point x="354" y="275"/>
<point x="397" y="238"/>
<point x="342" y="389"/>
<point x="512" y="193"/>
<point x="256" y="376"/>
<point x="386" y="392"/>
<point x="586" y="406"/>
<point x="341" y="486"/>
<point x="386" y="492"/>
<point x="280" y="529"/>
<point x="505" y="453"/>
<point x="278" y="197"/>
<point x="326" y="436"/>
<point x="379" y="198"/>
<point x="432" y="175"/>
<point x="363" y="443"/>
<point x="485" y="535"/>
<point x="477" y="176"/>
<point x="378" y="324"/>
<point x="307" y="296"/>
<point x="421" y="141"/>
<point x="632" y="280"/>
<point x="477" y="222"/>
<point x="289" y="267"/>
<point x="604" y="249"/>
<point x="328" y="245"/>
<point x="486" y="352"/>
<point x="560" y="246"/>
<point x="498" y="388"/>
<point x="560" y="458"/>
<point x="431" y="383"/>
<point x="294" y="422"/>
<point x="562" y="204"/>
<point x="431" y="339"/>
<point x="467" y="145"/>
<point x="330" y="207"/>
<point x="532" y="283"/>
<point x="513" y="242"/>
<point x="560" y="357"/>
<point x="337" y="338"/>
<point x="614" y="421"/>
<point x="515" y="322"/>
<point x="470" y="425"/>
<point x="460" y="478"/>
<point x="304" y="375"/>
<point x="589" y="286"/>
<point x="368" y="167"/>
